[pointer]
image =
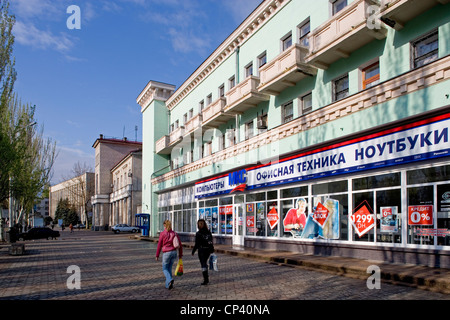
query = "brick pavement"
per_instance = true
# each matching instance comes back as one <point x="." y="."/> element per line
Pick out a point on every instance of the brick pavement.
<point x="117" y="267"/>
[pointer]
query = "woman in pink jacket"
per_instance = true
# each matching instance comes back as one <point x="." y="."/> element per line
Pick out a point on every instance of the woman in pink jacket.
<point x="169" y="256"/>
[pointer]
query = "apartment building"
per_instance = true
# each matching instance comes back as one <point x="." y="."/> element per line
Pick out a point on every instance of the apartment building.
<point x="78" y="191"/>
<point x="126" y="196"/>
<point x="117" y="181"/>
<point x="317" y="126"/>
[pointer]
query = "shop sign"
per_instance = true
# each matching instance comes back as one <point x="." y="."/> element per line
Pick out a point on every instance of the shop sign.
<point x="320" y="215"/>
<point x="420" y="215"/>
<point x="251" y="224"/>
<point x="388" y="220"/>
<point x="272" y="218"/>
<point x="423" y="140"/>
<point x="363" y="219"/>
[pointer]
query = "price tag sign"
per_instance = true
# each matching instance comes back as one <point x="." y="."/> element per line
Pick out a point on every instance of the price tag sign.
<point x="420" y="215"/>
<point x="272" y="218"/>
<point x="363" y="219"/>
<point x="320" y="215"/>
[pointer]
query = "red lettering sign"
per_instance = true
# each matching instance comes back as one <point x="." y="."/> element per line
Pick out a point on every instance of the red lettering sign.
<point x="363" y="220"/>
<point x="420" y="215"/>
<point x="320" y="215"/>
<point x="272" y="218"/>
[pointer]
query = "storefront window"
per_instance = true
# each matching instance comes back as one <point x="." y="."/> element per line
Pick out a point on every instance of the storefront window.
<point x="420" y="215"/>
<point x="330" y="187"/>
<point x="428" y="175"/>
<point x="194" y="217"/>
<point x="226" y="215"/>
<point x="375" y="182"/>
<point x="273" y="219"/>
<point x="290" y="223"/>
<point x="250" y="219"/>
<point x="443" y="214"/>
<point x="363" y="204"/>
<point x="388" y="211"/>
<point x="294" y="192"/>
<point x="260" y="223"/>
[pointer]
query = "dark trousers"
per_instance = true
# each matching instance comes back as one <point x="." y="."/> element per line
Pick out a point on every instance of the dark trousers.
<point x="203" y="255"/>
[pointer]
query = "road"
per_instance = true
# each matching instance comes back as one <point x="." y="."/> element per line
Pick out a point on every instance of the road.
<point x="116" y="267"/>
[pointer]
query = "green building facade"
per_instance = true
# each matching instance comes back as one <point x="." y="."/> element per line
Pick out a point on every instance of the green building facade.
<point x="316" y="126"/>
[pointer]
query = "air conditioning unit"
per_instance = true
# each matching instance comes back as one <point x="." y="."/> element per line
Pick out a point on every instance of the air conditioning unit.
<point x="262" y="123"/>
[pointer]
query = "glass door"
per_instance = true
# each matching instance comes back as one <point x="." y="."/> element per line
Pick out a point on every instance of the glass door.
<point x="238" y="224"/>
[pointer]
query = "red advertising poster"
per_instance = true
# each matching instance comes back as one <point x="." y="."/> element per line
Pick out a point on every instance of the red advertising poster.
<point x="272" y="218"/>
<point x="251" y="224"/>
<point x="226" y="210"/>
<point x="362" y="219"/>
<point x="320" y="215"/>
<point x="420" y="215"/>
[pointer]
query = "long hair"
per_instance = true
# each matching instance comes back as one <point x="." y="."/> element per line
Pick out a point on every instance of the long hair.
<point x="201" y="224"/>
<point x="167" y="225"/>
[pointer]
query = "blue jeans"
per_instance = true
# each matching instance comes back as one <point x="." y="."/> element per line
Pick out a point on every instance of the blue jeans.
<point x="168" y="259"/>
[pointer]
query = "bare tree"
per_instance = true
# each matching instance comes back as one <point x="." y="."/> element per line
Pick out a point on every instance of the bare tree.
<point x="80" y="186"/>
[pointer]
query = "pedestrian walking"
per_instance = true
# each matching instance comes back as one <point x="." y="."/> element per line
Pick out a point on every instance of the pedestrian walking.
<point x="71" y="228"/>
<point x="204" y="245"/>
<point x="169" y="248"/>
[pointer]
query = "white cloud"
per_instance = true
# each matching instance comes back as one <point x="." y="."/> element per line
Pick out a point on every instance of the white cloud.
<point x="67" y="157"/>
<point x="28" y="34"/>
<point x="186" y="41"/>
<point x="240" y="9"/>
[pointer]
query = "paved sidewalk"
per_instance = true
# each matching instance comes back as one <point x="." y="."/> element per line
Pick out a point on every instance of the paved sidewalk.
<point x="433" y="279"/>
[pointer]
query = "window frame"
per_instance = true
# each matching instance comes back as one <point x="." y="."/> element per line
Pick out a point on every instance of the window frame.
<point x="334" y="4"/>
<point x="334" y="85"/>
<point x="231" y="82"/>
<point x="368" y="83"/>
<point x="302" y="37"/>
<point x="284" y="117"/>
<point x="302" y="108"/>
<point x="249" y="70"/>
<point x="284" y="41"/>
<point x="249" y="130"/>
<point x="422" y="38"/>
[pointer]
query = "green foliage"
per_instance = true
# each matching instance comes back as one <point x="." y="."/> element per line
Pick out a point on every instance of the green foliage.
<point x="26" y="157"/>
<point x="66" y="211"/>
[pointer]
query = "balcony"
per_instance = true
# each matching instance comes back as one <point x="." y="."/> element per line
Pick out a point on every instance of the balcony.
<point x="214" y="115"/>
<point x="345" y="32"/>
<point x="245" y="96"/>
<point x="193" y="124"/>
<point x="395" y="13"/>
<point x="285" y="70"/>
<point x="165" y="144"/>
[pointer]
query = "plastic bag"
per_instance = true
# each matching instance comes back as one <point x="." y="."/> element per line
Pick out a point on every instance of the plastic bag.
<point x="179" y="269"/>
<point x="213" y="262"/>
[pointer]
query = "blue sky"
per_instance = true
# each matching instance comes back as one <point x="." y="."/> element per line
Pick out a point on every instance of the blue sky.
<point x="85" y="82"/>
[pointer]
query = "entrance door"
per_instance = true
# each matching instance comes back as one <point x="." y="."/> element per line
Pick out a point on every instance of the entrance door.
<point x="238" y="224"/>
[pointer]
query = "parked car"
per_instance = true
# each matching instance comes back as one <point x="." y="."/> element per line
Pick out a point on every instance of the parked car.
<point x="124" y="228"/>
<point x="80" y="226"/>
<point x="39" y="233"/>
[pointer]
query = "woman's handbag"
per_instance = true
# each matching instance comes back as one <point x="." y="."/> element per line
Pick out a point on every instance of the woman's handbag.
<point x="179" y="268"/>
<point x="213" y="262"/>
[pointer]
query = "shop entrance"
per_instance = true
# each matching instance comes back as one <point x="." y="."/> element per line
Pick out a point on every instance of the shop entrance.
<point x="238" y="224"/>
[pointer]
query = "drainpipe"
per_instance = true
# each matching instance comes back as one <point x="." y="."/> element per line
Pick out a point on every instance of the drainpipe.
<point x="236" y="51"/>
<point x="151" y="192"/>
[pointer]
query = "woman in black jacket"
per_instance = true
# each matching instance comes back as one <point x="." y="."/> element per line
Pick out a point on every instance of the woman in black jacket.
<point x="204" y="244"/>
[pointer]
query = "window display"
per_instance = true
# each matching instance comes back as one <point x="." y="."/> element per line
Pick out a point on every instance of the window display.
<point x="379" y="212"/>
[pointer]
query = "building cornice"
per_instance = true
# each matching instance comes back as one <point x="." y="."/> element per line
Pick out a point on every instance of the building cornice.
<point x="259" y="17"/>
<point x="400" y="86"/>
<point x="154" y="90"/>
